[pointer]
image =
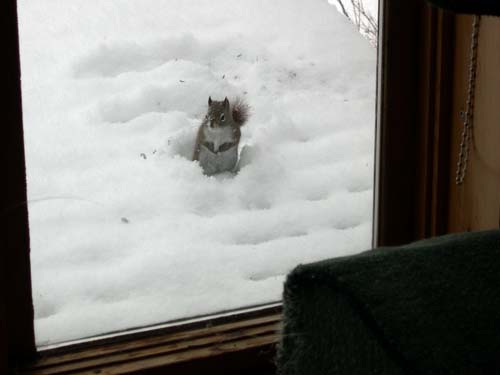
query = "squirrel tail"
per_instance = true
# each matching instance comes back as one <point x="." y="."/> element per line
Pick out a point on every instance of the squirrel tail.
<point x="241" y="112"/>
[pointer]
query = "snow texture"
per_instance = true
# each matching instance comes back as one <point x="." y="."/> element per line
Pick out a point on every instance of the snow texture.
<point x="370" y="6"/>
<point x="125" y="229"/>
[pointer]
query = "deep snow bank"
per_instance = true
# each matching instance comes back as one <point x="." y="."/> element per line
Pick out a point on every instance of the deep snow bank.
<point x="125" y="229"/>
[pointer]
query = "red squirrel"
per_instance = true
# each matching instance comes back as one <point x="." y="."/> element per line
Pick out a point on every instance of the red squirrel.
<point x="216" y="147"/>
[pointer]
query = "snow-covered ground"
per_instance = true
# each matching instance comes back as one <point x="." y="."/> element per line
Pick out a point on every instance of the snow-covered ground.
<point x="125" y="228"/>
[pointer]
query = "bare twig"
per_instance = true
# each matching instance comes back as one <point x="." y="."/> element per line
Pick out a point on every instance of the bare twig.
<point x="343" y="9"/>
<point x="355" y="10"/>
<point x="364" y="21"/>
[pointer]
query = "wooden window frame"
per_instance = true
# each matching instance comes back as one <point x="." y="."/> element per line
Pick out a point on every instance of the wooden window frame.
<point x="413" y="76"/>
<point x="413" y="126"/>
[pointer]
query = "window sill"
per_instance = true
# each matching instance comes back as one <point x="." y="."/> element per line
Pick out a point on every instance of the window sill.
<point x="239" y="343"/>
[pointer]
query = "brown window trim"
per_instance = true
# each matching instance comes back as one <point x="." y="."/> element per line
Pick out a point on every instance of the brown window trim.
<point x="253" y="333"/>
<point x="413" y="126"/>
<point x="16" y="310"/>
<point x="410" y="132"/>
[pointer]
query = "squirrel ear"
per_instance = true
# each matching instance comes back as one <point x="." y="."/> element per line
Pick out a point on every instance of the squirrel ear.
<point x="209" y="101"/>
<point x="226" y="103"/>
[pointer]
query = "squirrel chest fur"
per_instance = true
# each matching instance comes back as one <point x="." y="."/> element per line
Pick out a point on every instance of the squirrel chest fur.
<point x="219" y="134"/>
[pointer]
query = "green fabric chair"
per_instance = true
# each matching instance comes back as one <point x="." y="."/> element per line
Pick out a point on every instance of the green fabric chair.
<point x="431" y="307"/>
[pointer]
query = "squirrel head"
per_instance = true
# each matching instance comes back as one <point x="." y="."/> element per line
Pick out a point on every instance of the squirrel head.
<point x="219" y="113"/>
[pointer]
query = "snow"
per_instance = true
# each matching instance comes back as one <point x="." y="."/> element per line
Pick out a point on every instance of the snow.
<point x="370" y="6"/>
<point x="125" y="229"/>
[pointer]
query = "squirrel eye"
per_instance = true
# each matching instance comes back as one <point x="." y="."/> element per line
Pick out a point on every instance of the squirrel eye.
<point x="222" y="117"/>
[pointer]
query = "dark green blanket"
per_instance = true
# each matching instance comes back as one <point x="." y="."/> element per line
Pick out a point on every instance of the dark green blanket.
<point x="431" y="307"/>
<point x="486" y="7"/>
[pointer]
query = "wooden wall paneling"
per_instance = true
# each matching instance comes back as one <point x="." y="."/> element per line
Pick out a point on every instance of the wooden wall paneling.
<point x="486" y="152"/>
<point x="475" y="205"/>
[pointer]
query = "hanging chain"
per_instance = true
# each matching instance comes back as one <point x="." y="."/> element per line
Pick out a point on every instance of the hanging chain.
<point x="467" y="117"/>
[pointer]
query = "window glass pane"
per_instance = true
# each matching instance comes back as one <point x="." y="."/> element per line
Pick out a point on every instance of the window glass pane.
<point x="126" y="229"/>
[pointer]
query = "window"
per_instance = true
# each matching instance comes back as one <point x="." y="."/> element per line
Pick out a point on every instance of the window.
<point x="123" y="223"/>
<point x="395" y="194"/>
